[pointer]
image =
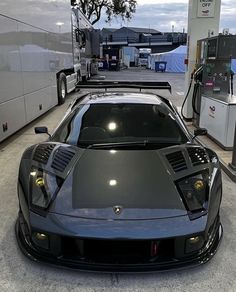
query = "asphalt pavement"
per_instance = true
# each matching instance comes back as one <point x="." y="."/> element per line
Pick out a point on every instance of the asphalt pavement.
<point x="17" y="273"/>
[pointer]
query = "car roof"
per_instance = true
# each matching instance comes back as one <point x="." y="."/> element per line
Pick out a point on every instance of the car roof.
<point x="122" y="97"/>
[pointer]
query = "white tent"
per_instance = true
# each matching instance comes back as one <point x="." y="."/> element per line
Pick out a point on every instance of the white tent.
<point x="233" y="65"/>
<point x="174" y="59"/>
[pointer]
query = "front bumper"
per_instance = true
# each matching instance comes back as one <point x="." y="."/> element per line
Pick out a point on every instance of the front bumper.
<point x="28" y="248"/>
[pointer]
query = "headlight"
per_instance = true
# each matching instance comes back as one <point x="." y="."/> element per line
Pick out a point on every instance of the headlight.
<point x="44" y="187"/>
<point x="195" y="191"/>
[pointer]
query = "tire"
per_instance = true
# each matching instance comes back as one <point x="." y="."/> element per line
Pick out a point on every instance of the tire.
<point x="84" y="78"/>
<point x="88" y="76"/>
<point x="61" y="88"/>
<point x="78" y="77"/>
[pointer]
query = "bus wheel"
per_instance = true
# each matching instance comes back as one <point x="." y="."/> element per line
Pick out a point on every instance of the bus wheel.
<point x="61" y="88"/>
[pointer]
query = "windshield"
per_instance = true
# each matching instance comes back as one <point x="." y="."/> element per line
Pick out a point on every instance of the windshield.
<point x="143" y="55"/>
<point x="120" y="123"/>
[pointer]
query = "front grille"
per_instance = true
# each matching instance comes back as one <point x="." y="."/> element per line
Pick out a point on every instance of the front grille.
<point x="118" y="251"/>
<point x="198" y="156"/>
<point x="43" y="152"/>
<point x="62" y="158"/>
<point x="177" y="161"/>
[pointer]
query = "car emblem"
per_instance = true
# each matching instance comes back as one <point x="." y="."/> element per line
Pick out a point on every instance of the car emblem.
<point x="117" y="210"/>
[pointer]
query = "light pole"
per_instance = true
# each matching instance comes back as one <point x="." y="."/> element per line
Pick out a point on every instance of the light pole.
<point x="59" y="24"/>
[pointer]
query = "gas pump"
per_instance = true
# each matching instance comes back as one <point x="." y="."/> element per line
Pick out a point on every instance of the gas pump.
<point x="197" y="92"/>
<point x="214" y="103"/>
<point x="213" y="77"/>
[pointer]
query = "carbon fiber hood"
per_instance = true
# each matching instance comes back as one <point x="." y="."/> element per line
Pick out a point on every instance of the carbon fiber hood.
<point x="139" y="182"/>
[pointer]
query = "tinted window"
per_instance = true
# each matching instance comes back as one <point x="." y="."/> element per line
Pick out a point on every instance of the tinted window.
<point x="143" y="55"/>
<point x="108" y="123"/>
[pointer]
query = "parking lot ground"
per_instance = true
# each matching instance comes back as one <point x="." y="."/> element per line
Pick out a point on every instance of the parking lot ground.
<point x="17" y="273"/>
<point x="141" y="74"/>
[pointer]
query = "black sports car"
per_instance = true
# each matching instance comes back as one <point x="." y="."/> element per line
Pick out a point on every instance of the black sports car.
<point x="121" y="186"/>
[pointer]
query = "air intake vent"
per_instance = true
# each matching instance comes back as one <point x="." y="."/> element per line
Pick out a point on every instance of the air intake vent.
<point x="198" y="156"/>
<point x="177" y="161"/>
<point x="62" y="158"/>
<point x="43" y="152"/>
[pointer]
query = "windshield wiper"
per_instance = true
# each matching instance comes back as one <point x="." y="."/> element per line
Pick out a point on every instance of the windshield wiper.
<point x="143" y="143"/>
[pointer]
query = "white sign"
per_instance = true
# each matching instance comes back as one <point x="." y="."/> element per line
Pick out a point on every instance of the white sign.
<point x="206" y="8"/>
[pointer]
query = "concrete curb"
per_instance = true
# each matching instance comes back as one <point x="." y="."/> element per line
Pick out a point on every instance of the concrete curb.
<point x="228" y="170"/>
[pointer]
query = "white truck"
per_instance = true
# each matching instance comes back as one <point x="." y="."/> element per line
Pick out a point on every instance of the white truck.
<point x="41" y="48"/>
<point x="90" y="49"/>
<point x="144" y="54"/>
<point x="130" y="56"/>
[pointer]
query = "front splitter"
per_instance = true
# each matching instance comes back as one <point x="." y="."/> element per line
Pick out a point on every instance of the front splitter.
<point x="32" y="253"/>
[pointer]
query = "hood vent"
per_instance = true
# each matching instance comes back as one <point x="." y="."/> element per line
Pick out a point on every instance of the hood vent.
<point x="62" y="158"/>
<point x="198" y="156"/>
<point x="43" y="152"/>
<point x="177" y="161"/>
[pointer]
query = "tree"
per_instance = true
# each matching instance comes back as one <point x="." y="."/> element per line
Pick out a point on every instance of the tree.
<point x="113" y="8"/>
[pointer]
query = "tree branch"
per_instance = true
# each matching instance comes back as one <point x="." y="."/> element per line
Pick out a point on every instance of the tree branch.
<point x="113" y="8"/>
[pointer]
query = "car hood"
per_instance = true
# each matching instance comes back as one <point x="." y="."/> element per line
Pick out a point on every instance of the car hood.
<point x="119" y="185"/>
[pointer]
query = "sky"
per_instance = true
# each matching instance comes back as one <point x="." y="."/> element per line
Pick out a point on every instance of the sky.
<point x="165" y="14"/>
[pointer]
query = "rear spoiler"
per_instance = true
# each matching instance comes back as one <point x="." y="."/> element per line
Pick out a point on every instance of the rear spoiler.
<point x="125" y="84"/>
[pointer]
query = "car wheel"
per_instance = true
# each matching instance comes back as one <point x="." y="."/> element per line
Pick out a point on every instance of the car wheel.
<point x="61" y="88"/>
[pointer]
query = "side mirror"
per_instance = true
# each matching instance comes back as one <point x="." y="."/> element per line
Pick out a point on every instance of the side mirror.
<point x="200" y="132"/>
<point x="41" y="130"/>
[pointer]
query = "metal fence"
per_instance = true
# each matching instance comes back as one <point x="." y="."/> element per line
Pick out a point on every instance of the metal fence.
<point x="175" y="39"/>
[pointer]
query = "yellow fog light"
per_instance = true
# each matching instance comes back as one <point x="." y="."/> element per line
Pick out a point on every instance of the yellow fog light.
<point x="39" y="182"/>
<point x="199" y="185"/>
<point x="41" y="236"/>
<point x="194" y="240"/>
<point x="41" y="240"/>
<point x="194" y="244"/>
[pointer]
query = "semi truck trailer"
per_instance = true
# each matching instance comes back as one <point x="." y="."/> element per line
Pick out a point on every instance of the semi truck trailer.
<point x="41" y="47"/>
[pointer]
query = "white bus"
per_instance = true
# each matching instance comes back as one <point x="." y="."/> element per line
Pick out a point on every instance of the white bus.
<point x="40" y="59"/>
